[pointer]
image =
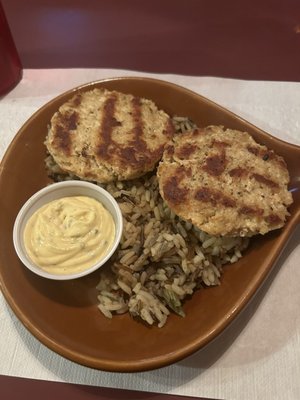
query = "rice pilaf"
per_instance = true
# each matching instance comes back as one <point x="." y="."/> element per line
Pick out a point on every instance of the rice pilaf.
<point x="161" y="259"/>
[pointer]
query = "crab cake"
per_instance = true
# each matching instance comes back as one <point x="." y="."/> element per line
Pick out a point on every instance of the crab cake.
<point x="224" y="182"/>
<point x="102" y="135"/>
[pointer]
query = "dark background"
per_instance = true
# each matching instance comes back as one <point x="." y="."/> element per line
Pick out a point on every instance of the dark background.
<point x="257" y="39"/>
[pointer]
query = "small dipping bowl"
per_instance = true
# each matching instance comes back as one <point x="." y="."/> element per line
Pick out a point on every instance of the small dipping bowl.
<point x="56" y="191"/>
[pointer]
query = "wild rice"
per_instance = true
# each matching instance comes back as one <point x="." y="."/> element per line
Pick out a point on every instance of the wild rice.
<point x="161" y="259"/>
<point x="166" y="259"/>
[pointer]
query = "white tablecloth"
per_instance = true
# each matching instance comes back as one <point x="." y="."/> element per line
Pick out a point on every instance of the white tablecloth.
<point x="263" y="361"/>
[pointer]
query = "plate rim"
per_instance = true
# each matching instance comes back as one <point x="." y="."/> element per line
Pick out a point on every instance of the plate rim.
<point x="155" y="362"/>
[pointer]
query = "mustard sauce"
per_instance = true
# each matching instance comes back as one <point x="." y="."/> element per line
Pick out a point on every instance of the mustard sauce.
<point x="69" y="235"/>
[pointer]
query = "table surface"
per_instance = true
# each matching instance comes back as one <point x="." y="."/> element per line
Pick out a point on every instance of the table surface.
<point x="258" y="355"/>
<point x="199" y="44"/>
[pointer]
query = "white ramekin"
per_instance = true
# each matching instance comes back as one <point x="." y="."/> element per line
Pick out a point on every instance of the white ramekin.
<point x="56" y="191"/>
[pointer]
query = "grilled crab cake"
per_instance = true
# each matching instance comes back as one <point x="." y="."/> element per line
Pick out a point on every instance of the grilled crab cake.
<point x="224" y="182"/>
<point x="103" y="135"/>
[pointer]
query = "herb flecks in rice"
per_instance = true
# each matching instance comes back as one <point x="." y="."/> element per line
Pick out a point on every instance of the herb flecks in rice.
<point x="161" y="259"/>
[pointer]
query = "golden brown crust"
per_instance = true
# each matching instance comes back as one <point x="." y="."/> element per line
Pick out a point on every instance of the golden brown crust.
<point x="107" y="135"/>
<point x="224" y="182"/>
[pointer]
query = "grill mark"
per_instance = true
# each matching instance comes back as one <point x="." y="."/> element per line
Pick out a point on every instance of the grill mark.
<point x="137" y="144"/>
<point x="267" y="155"/>
<point x="273" y="219"/>
<point x="137" y="153"/>
<point x="62" y="136"/>
<point x="220" y="144"/>
<point x="214" y="197"/>
<point x="62" y="139"/>
<point x="76" y="101"/>
<point x="253" y="149"/>
<point x="138" y="124"/>
<point x="270" y="155"/>
<point x="216" y="164"/>
<point x="253" y="211"/>
<point x="173" y="193"/>
<point x="169" y="149"/>
<point x="262" y="179"/>
<point x="238" y="172"/>
<point x="185" y="151"/>
<point x="170" y="130"/>
<point x="107" y="125"/>
<point x="128" y="156"/>
<point x="71" y="121"/>
<point x="281" y="162"/>
<point x="182" y="172"/>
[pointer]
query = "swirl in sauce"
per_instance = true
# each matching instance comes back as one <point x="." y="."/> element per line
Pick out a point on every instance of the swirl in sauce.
<point x="69" y="235"/>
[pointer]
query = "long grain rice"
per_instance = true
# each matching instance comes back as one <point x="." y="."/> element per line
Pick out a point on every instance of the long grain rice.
<point x="173" y="257"/>
<point x="161" y="259"/>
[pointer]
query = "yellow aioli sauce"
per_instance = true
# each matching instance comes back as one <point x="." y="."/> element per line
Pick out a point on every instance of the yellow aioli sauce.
<point x="69" y="234"/>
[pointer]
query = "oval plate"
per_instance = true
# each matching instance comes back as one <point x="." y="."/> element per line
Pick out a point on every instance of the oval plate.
<point x="64" y="315"/>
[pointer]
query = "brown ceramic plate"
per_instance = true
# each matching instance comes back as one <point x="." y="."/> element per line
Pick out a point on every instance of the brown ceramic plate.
<point x="64" y="316"/>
